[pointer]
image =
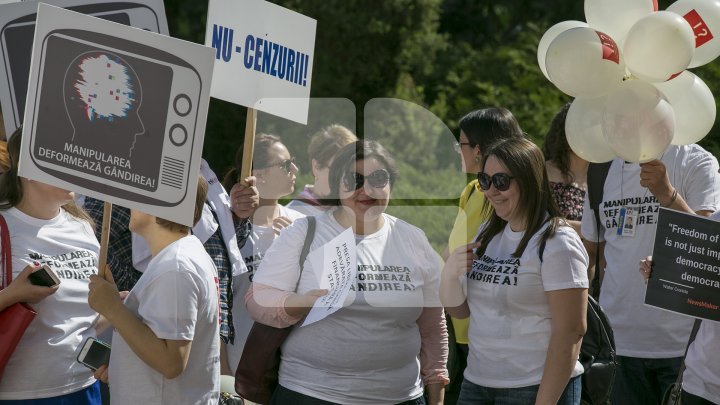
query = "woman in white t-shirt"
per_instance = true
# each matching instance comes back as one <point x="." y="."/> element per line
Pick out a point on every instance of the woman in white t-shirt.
<point x="526" y="287"/>
<point x="389" y="340"/>
<point x="46" y="227"/>
<point x="275" y="172"/>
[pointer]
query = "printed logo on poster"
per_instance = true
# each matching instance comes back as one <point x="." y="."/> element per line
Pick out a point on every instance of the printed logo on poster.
<point x="17" y="26"/>
<point x="263" y="56"/>
<point x="116" y="113"/>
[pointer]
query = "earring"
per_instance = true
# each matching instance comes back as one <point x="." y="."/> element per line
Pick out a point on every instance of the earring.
<point x="477" y="159"/>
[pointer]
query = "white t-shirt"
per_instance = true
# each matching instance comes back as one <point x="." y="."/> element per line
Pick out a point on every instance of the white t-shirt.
<point x="510" y="320"/>
<point x="44" y="363"/>
<point x="702" y="368"/>
<point x="367" y="352"/>
<point x="177" y="298"/>
<point x="642" y="331"/>
<point x="252" y="252"/>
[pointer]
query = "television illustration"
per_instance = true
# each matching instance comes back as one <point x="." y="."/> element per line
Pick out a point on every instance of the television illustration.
<point x="106" y="108"/>
<point x="16" y="42"/>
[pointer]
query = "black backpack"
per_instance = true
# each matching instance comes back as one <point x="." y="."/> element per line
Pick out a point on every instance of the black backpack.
<point x="597" y="353"/>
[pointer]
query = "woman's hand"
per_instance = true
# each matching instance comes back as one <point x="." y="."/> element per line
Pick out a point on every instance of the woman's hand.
<point x="460" y="261"/>
<point x="646" y="268"/>
<point x="22" y="290"/>
<point x="280" y="223"/>
<point x="102" y="373"/>
<point x="104" y="295"/>
<point x="300" y="304"/>
<point x="244" y="198"/>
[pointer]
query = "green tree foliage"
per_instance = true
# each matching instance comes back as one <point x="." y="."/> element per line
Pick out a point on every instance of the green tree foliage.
<point x="449" y="56"/>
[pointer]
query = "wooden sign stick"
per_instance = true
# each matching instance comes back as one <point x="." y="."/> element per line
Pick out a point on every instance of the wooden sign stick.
<point x="104" y="238"/>
<point x="249" y="145"/>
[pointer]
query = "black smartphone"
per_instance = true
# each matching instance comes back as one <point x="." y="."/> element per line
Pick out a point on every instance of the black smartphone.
<point x="94" y="353"/>
<point x="44" y="276"/>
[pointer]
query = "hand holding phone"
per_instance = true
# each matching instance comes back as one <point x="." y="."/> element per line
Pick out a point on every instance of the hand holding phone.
<point x="44" y="276"/>
<point x="94" y="354"/>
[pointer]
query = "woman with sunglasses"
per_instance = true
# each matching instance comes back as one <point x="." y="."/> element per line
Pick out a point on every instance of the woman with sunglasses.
<point x="274" y="170"/>
<point x="478" y="130"/>
<point x="526" y="282"/>
<point x="367" y="352"/>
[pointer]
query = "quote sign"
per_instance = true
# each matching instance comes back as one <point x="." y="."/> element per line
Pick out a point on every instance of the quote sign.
<point x="263" y="56"/>
<point x="686" y="265"/>
<point x="116" y="113"/>
<point x="17" y="27"/>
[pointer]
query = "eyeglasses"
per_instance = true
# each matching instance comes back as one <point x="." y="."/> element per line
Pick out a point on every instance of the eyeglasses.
<point x="377" y="179"/>
<point x="501" y="181"/>
<point x="286" y="164"/>
<point x="458" y="146"/>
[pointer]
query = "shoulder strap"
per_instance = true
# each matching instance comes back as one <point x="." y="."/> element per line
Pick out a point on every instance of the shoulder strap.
<point x="6" y="258"/>
<point x="596" y="175"/>
<point x="693" y="334"/>
<point x="309" y="236"/>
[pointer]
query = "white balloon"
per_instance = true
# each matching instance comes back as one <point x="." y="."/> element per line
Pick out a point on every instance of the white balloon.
<point x="582" y="62"/>
<point x="583" y="129"/>
<point x="615" y="17"/>
<point x="704" y="19"/>
<point x="549" y="36"/>
<point x="659" y="46"/>
<point x="638" y="122"/>
<point x="694" y="107"/>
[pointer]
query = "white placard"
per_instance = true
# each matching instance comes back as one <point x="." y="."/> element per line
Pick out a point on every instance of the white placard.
<point x="17" y="24"/>
<point x="338" y="259"/>
<point x="263" y="56"/>
<point x="116" y="113"/>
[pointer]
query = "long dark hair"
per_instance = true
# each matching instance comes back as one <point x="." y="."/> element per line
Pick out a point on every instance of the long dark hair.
<point x="556" y="147"/>
<point x="11" y="190"/>
<point x="525" y="162"/>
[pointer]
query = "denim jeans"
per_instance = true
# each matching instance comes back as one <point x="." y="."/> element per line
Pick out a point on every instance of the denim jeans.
<point x="472" y="394"/>
<point x="283" y="396"/>
<point x="643" y="381"/>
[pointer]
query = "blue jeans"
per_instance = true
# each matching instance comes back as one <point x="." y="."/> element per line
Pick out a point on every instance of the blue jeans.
<point x="284" y="396"/>
<point x="473" y="394"/>
<point x="86" y="396"/>
<point x="643" y="381"/>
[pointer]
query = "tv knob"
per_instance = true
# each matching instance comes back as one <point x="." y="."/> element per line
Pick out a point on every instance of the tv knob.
<point x="178" y="135"/>
<point x="182" y="105"/>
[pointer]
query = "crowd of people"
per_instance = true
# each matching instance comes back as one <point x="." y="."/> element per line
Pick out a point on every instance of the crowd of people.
<point x="498" y="318"/>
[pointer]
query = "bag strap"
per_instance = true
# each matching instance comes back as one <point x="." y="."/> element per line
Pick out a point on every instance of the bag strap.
<point x="596" y="175"/>
<point x="6" y="258"/>
<point x="693" y="334"/>
<point x="309" y="236"/>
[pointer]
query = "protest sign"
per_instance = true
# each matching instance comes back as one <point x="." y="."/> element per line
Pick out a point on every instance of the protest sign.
<point x="263" y="56"/>
<point x="16" y="38"/>
<point x="116" y="113"/>
<point x="686" y="265"/>
<point x="338" y="260"/>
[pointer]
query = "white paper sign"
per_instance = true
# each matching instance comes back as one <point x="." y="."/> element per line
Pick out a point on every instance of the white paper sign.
<point x="116" y="113"/>
<point x="263" y="56"/>
<point x="338" y="259"/>
<point x="17" y="24"/>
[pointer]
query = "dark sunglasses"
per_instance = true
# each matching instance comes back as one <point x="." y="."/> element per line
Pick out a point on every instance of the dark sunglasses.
<point x="286" y="164"/>
<point x="501" y="181"/>
<point x="377" y="179"/>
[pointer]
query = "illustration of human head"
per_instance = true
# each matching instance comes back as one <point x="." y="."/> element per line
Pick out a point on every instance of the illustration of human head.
<point x="103" y="95"/>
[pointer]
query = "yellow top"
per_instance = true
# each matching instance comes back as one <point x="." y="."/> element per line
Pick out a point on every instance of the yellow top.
<point x="466" y="225"/>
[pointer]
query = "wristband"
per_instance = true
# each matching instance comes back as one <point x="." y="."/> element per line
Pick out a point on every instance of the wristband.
<point x="672" y="199"/>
